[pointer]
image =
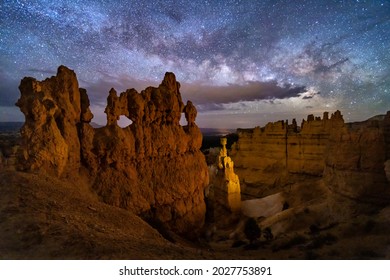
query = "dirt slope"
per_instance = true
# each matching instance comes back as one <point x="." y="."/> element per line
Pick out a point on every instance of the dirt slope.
<point x="45" y="218"/>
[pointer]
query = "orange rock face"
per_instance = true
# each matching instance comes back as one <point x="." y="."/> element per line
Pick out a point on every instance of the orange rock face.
<point x="280" y="148"/>
<point x="351" y="159"/>
<point x="52" y="110"/>
<point x="355" y="161"/>
<point x="153" y="167"/>
<point x="227" y="183"/>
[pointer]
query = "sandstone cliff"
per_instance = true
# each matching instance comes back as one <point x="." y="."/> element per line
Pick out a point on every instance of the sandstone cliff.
<point x="153" y="167"/>
<point x="351" y="159"/>
<point x="280" y="149"/>
<point x="314" y="177"/>
<point x="355" y="161"/>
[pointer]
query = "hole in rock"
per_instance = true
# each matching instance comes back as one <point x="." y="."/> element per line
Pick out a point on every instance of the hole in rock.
<point x="124" y="121"/>
<point x="183" y="120"/>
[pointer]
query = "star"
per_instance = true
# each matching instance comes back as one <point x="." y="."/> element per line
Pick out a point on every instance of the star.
<point x="240" y="62"/>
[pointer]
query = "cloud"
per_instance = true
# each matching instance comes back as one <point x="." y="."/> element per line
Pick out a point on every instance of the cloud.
<point x="42" y="71"/>
<point x="212" y="97"/>
<point x="205" y="97"/>
<point x="98" y="90"/>
<point x="210" y="107"/>
<point x="311" y="93"/>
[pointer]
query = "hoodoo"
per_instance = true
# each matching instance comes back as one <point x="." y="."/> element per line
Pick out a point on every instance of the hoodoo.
<point x="153" y="167"/>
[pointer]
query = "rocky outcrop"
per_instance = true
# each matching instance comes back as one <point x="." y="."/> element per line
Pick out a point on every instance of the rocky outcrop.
<point x="280" y="148"/>
<point x="52" y="110"/>
<point x="153" y="167"/>
<point x="229" y="185"/>
<point x="355" y="161"/>
<point x="260" y="150"/>
<point x="223" y="194"/>
<point x="352" y="159"/>
<point x="306" y="148"/>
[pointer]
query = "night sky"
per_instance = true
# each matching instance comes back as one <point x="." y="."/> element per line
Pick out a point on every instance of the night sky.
<point x="242" y="63"/>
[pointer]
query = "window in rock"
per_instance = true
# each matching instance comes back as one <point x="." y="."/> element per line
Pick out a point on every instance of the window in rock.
<point x="124" y="121"/>
<point x="183" y="120"/>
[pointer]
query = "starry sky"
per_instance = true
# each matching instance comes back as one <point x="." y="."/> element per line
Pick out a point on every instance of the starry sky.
<point x="242" y="63"/>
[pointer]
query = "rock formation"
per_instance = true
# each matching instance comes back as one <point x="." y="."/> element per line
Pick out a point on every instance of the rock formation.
<point x="355" y="161"/>
<point x="153" y="167"/>
<point x="230" y="186"/>
<point x="351" y="159"/>
<point x="52" y="110"/>
<point x="223" y="193"/>
<point x="280" y="148"/>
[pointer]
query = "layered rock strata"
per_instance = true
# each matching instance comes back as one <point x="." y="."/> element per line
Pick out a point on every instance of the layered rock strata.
<point x="281" y="148"/>
<point x="153" y="167"/>
<point x="356" y="161"/>
<point x="353" y="160"/>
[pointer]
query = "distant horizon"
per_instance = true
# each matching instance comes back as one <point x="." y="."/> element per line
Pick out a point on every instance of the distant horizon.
<point x="223" y="119"/>
<point x="122" y="124"/>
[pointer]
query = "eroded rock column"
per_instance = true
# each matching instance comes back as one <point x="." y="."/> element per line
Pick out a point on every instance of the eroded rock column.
<point x="227" y="185"/>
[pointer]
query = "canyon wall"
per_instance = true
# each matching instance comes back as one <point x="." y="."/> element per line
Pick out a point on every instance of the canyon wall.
<point x="284" y="148"/>
<point x="153" y="167"/>
<point x="351" y="159"/>
<point x="356" y="159"/>
<point x="306" y="148"/>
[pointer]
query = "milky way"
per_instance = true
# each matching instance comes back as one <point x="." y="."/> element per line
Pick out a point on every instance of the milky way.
<point x="243" y="63"/>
